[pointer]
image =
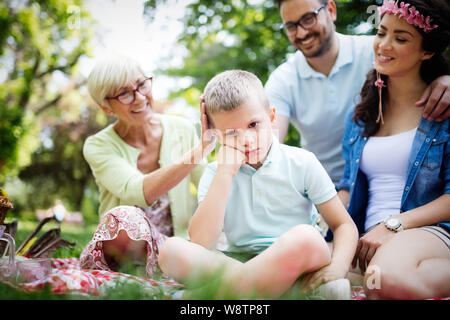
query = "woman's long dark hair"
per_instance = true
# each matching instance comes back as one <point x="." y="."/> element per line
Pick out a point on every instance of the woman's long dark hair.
<point x="366" y="112"/>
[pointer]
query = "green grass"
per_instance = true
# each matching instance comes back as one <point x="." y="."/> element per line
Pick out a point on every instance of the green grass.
<point x="202" y="287"/>
<point x="81" y="235"/>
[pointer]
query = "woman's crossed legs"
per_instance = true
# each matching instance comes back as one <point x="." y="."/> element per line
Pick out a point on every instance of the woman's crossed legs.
<point x="414" y="264"/>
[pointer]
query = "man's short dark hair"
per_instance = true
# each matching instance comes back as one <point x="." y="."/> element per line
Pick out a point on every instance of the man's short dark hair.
<point x="279" y="2"/>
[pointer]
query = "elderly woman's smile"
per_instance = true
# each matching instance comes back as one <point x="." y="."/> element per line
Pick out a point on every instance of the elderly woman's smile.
<point x="143" y="108"/>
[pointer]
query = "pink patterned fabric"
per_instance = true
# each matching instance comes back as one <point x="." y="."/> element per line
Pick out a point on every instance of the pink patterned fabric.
<point x="66" y="277"/>
<point x="159" y="215"/>
<point x="137" y="226"/>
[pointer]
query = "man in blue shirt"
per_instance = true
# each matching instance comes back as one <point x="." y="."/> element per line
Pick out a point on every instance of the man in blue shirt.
<point x="317" y="87"/>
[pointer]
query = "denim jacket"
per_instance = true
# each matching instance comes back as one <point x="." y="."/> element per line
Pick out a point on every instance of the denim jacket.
<point x="428" y="171"/>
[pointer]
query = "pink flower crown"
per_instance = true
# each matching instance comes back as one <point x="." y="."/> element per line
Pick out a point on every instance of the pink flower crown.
<point x="410" y="14"/>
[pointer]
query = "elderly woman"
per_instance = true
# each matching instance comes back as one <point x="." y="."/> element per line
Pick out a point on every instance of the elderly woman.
<point x="144" y="165"/>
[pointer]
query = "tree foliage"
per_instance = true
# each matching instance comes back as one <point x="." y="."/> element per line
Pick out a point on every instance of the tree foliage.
<point x="45" y="111"/>
<point x="242" y="34"/>
<point x="41" y="42"/>
<point x="220" y="35"/>
<point x="59" y="170"/>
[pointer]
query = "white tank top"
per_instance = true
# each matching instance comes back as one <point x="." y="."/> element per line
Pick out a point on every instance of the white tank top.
<point x="384" y="161"/>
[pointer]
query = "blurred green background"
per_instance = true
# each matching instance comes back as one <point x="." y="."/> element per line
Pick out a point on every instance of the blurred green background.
<point x="46" y="113"/>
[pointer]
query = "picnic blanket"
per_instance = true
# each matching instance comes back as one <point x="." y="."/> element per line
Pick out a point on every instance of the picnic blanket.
<point x="67" y="277"/>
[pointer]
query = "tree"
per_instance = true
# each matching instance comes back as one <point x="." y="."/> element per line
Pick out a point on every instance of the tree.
<point x="58" y="169"/>
<point x="241" y="34"/>
<point x="222" y="35"/>
<point x="41" y="43"/>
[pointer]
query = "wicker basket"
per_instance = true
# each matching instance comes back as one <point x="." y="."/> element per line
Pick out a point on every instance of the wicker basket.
<point x="5" y="205"/>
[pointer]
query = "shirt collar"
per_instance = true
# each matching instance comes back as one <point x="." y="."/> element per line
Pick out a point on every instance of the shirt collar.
<point x="345" y="56"/>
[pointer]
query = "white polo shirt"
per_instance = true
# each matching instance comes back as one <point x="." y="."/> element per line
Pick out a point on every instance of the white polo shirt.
<point x="317" y="104"/>
<point x="265" y="203"/>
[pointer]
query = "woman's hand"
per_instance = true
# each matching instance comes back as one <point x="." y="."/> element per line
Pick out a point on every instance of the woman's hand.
<point x="207" y="135"/>
<point x="328" y="273"/>
<point x="369" y="243"/>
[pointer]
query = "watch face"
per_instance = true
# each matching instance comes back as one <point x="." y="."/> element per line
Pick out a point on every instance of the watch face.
<point x="392" y="223"/>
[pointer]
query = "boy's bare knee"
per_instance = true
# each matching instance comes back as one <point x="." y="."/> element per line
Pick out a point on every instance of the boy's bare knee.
<point x="172" y="256"/>
<point x="305" y="241"/>
<point x="171" y="247"/>
<point x="302" y="237"/>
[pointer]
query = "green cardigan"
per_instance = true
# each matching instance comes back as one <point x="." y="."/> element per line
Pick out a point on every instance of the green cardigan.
<point x="114" y="165"/>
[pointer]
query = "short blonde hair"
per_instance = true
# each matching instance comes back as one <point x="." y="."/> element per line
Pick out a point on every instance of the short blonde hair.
<point x="109" y="75"/>
<point x="229" y="89"/>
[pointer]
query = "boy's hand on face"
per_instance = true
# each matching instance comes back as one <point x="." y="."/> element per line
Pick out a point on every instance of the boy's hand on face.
<point x="229" y="160"/>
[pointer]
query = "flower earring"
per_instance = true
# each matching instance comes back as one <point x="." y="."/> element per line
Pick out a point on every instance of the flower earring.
<point x="380" y="84"/>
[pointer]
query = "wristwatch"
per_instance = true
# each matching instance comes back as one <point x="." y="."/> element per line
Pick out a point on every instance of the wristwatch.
<point x="393" y="223"/>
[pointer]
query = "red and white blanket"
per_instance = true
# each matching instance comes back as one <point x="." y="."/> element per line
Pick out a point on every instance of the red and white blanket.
<point x="66" y="277"/>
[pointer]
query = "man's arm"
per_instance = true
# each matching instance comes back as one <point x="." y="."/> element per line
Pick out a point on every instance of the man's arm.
<point x="282" y="126"/>
<point x="436" y="99"/>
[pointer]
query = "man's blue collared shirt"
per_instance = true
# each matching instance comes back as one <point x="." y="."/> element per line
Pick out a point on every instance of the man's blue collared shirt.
<point x="318" y="104"/>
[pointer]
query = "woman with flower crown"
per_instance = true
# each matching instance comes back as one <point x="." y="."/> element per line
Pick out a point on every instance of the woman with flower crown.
<point x="396" y="183"/>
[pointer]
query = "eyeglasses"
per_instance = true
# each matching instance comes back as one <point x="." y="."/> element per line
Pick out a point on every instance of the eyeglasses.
<point x="307" y="21"/>
<point x="128" y="97"/>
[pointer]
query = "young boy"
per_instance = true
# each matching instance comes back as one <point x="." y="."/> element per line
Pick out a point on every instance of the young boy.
<point x="262" y="194"/>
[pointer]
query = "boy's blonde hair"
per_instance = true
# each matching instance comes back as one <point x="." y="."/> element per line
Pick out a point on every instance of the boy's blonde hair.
<point x="229" y="89"/>
<point x="109" y="75"/>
